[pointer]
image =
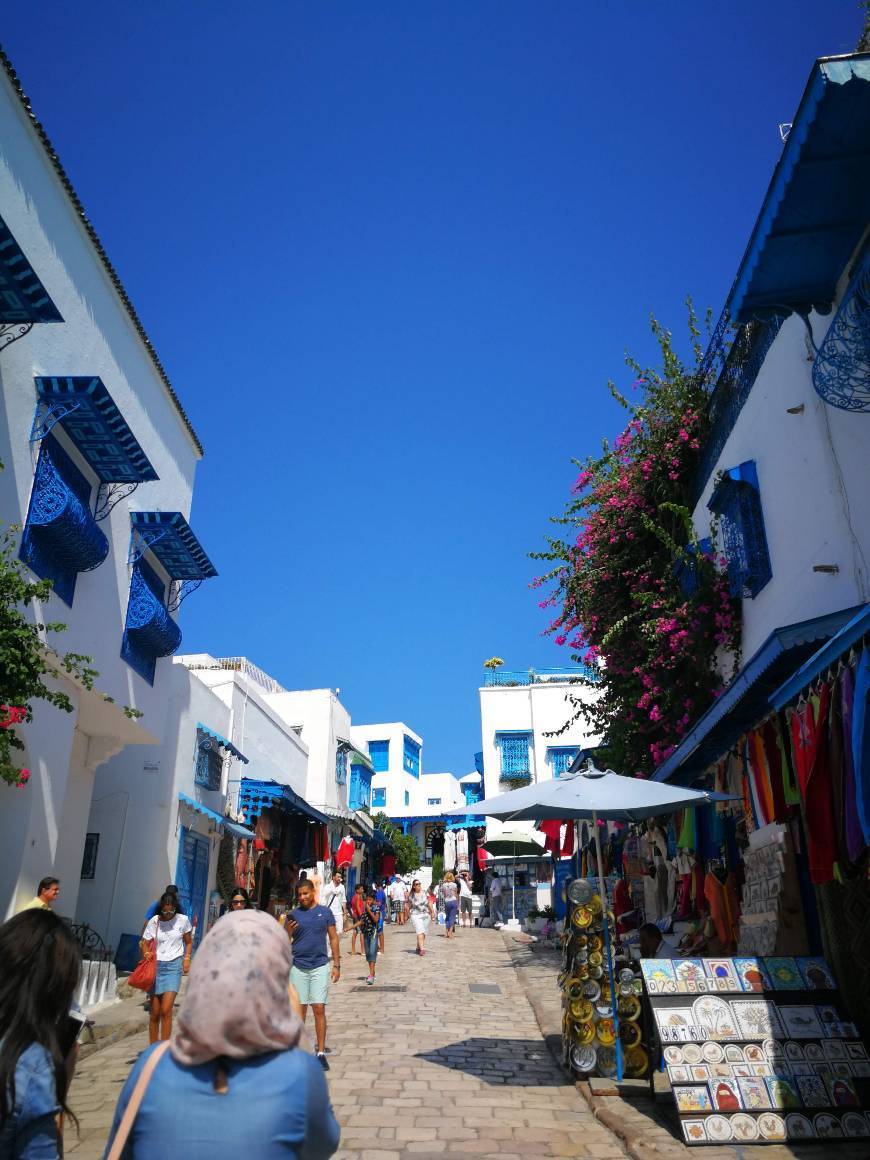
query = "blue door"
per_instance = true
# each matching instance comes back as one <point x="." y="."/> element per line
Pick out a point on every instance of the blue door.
<point x="191" y="877"/>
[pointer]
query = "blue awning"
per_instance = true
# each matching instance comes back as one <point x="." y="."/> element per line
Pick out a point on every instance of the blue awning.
<point x="169" y="536"/>
<point x="256" y="796"/>
<point x="88" y="414"/>
<point x="219" y="819"/>
<point x="222" y="742"/>
<point x="818" y="202"/>
<point x="748" y="699"/>
<point x="851" y="632"/>
<point x="23" y="298"/>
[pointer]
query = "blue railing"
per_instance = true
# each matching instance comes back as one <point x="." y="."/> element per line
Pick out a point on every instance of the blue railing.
<point x="539" y="676"/>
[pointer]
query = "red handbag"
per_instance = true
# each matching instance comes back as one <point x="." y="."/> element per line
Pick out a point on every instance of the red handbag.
<point x="144" y="974"/>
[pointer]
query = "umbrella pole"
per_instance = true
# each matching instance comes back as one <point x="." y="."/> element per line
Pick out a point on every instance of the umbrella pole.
<point x="608" y="946"/>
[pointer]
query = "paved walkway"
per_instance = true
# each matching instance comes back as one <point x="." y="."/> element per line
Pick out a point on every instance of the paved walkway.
<point x="433" y="1070"/>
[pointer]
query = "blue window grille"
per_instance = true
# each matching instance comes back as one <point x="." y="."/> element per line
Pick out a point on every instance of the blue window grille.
<point x="340" y="766"/>
<point x="737" y="502"/>
<point x="149" y="630"/>
<point x="560" y="757"/>
<point x="515" y="760"/>
<point x="379" y="798"/>
<point x="472" y="794"/>
<point x="686" y="567"/>
<point x="379" y="753"/>
<point x="209" y="761"/>
<point x="433" y="801"/>
<point x="407" y="798"/>
<point x="411" y="757"/>
<point x="360" y="790"/>
<point x="841" y="371"/>
<point x="61" y="537"/>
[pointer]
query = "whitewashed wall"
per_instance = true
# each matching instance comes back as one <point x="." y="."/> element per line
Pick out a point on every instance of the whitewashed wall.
<point x="397" y="781"/>
<point x="324" y="722"/>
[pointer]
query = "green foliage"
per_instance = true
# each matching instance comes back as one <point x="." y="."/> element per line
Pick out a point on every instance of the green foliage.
<point x="407" y="851"/>
<point x="437" y="867"/>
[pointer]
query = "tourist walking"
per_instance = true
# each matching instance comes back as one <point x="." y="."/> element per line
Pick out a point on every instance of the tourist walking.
<point x="234" y="1077"/>
<point x="450" y="898"/>
<point x="381" y="898"/>
<point x="155" y="905"/>
<point x="368" y="923"/>
<point x="309" y="926"/>
<point x="172" y="932"/>
<point x="240" y="900"/>
<point x="334" y="896"/>
<point x="40" y="966"/>
<point x="495" y="899"/>
<point x="398" y="895"/>
<point x="357" y="906"/>
<point x="422" y="909"/>
<point x="46" y="895"/>
<point x="466" y="900"/>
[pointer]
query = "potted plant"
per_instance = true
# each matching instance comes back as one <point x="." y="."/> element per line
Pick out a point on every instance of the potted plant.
<point x="534" y="920"/>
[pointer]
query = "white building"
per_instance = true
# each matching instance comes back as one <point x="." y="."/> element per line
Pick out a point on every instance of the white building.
<point x="99" y="466"/>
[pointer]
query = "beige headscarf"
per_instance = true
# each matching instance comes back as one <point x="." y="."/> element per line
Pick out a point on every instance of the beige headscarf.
<point x="236" y="1004"/>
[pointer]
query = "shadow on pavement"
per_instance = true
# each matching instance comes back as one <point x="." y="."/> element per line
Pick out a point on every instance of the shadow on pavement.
<point x="511" y="1062"/>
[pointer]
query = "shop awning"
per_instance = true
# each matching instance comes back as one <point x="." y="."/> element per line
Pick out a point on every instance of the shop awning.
<point x="219" y="819"/>
<point x="851" y="632"/>
<point x="222" y="742"/>
<point x="357" y="820"/>
<point x="748" y="699"/>
<point x="256" y="796"/>
<point x="818" y="201"/>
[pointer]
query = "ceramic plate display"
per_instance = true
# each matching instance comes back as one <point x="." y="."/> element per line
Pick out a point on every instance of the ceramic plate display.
<point x="813" y="1092"/>
<point x="753" y="1093"/>
<point x="752" y="974"/>
<point x="718" y="1128"/>
<point x="581" y="1010"/>
<point x="842" y="1069"/>
<point x="771" y="1126"/>
<point x="673" y="1055"/>
<point x="816" y="974"/>
<point x="626" y="975"/>
<point x="712" y="1052"/>
<point x="628" y="1007"/>
<point x="595" y="958"/>
<point x="722" y="971"/>
<point x="801" y="1022"/>
<point x="692" y="1053"/>
<point x="762" y="1069"/>
<point x="802" y="1067"/>
<point x="772" y="1049"/>
<point x="734" y="1054"/>
<point x="629" y="1034"/>
<point x="834" y="1049"/>
<point x="659" y="976"/>
<point x="606" y="1032"/>
<point x="582" y="917"/>
<point x="798" y="1126"/>
<point x="753" y="1053"/>
<point x="743" y="1127"/>
<point x="606" y="1061"/>
<point x="580" y="891"/>
<point x="669" y="1018"/>
<point x="636" y="1062"/>
<point x="756" y="1018"/>
<point x="861" y="1068"/>
<point x="583" y="1057"/>
<point x="856" y="1051"/>
<point x="688" y="969"/>
<point x="693" y="1099"/>
<point x="726" y="1095"/>
<point x="827" y="1127"/>
<point x="784" y="974"/>
<point x="584" y="1033"/>
<point x="843" y="1094"/>
<point x="604" y="1010"/>
<point x="782" y="1092"/>
<point x="678" y="1073"/>
<point x="700" y="1073"/>
<point x="724" y="1070"/>
<point x="814" y="1053"/>
<point x="794" y="1051"/>
<point x="854" y="1124"/>
<point x="745" y="1069"/>
<point x="591" y="990"/>
<point x="714" y="1014"/>
<point x="694" y="1131"/>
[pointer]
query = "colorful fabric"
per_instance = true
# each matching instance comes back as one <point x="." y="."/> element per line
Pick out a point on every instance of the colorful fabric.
<point x="861" y="742"/>
<point x="773" y="757"/>
<point x="854" y="835"/>
<point x="222" y="1015"/>
<point x="811" y="751"/>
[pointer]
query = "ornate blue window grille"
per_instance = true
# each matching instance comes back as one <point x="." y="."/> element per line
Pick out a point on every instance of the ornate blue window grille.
<point x="841" y="371"/>
<point x="686" y="568"/>
<point x="515" y="755"/>
<point x="736" y="364"/>
<point x="360" y="790"/>
<point x="379" y="752"/>
<point x="411" y="757"/>
<point x="61" y="538"/>
<point x="340" y="766"/>
<point x="23" y="298"/>
<point x="379" y="799"/>
<point x="737" y="502"/>
<point x="560" y="757"/>
<point x="149" y="630"/>
<point x="209" y="761"/>
<point x="472" y="794"/>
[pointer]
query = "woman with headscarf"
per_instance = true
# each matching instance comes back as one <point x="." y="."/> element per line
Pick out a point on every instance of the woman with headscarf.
<point x="235" y="1076"/>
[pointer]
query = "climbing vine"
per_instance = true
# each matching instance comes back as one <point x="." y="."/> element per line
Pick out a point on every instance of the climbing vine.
<point x="635" y="593"/>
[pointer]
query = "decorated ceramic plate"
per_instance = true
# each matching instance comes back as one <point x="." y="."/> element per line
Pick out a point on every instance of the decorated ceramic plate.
<point x="580" y="891"/>
<point x="594" y="905"/>
<point x="695" y="1131"/>
<point x="854" y="1124"/>
<point x="673" y="1055"/>
<point x="714" y="1014"/>
<point x="583" y="1057"/>
<point x="606" y="1061"/>
<point x="584" y="1033"/>
<point x="752" y="1053"/>
<point x="718" y="1128"/>
<point x="734" y="1054"/>
<point x="771" y="1126"/>
<point x="744" y="1127"/>
<point x="591" y="990"/>
<point x="604" y="1010"/>
<point x="630" y="1034"/>
<point x="574" y="987"/>
<point x="626" y="976"/>
<point x="595" y="958"/>
<point x="798" y="1126"/>
<point x="814" y="1053"/>
<point x="596" y="971"/>
<point x="581" y="1010"/>
<point x="636" y="1060"/>
<point x="606" y="1032"/>
<point x="691" y="1053"/>
<point x="595" y="942"/>
<point x="827" y="1127"/>
<point x="628" y="1007"/>
<point x="582" y="917"/>
<point x="626" y="988"/>
<point x="712" y="1052"/>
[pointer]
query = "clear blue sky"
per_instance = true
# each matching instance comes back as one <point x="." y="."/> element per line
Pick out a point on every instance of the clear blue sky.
<point x="390" y="255"/>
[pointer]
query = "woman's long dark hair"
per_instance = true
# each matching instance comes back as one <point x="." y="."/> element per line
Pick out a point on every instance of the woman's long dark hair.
<point x="40" y="965"/>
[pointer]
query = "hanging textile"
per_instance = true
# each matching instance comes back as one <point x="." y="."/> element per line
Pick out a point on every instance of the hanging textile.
<point x="450" y="850"/>
<point x="552" y="831"/>
<point x="789" y="778"/>
<point x="344" y="853"/>
<point x="773" y="756"/>
<point x="568" y="840"/>
<point x="810" y="744"/>
<point x="241" y="863"/>
<point x="687" y="839"/>
<point x="760" y="780"/>
<point x="852" y="823"/>
<point x="388" y="866"/>
<point x="463" y="862"/>
<point x="861" y="741"/>
<point x="724" y="909"/>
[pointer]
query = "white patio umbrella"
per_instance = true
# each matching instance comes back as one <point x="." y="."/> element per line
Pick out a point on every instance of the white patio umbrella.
<point x="515" y="844"/>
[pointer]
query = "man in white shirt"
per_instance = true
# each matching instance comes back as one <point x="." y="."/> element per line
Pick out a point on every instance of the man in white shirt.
<point x="398" y="894"/>
<point x="495" y="896"/>
<point x="335" y="897"/>
<point x="466" y="900"/>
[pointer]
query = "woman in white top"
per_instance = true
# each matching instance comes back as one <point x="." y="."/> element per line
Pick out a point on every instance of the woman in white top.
<point x="174" y="942"/>
<point x="422" y="911"/>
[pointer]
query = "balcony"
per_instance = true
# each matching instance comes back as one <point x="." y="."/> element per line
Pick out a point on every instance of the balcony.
<point x="511" y="677"/>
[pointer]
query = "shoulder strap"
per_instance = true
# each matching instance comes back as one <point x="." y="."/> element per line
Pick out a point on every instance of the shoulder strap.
<point x="135" y="1101"/>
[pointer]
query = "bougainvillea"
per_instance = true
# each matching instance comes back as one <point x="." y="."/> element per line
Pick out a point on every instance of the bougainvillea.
<point x="635" y="593"/>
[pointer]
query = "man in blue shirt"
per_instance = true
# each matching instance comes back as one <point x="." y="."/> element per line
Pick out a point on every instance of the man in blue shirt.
<point x="309" y="926"/>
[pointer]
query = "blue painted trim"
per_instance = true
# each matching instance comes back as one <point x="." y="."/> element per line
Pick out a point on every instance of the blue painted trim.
<point x="222" y="741"/>
<point x="828" y="654"/>
<point x="255" y="796"/>
<point x="170" y="538"/>
<point x="213" y="815"/>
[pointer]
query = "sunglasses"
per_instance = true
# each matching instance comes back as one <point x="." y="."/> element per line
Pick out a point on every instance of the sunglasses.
<point x="237" y="902"/>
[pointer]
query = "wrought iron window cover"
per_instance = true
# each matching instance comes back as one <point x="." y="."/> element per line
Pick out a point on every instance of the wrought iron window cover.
<point x="209" y="770"/>
<point x="561" y="757"/>
<point x="737" y="501"/>
<point x="222" y="741"/>
<point x="149" y="630"/>
<point x="340" y="766"/>
<point x="515" y="749"/>
<point x="23" y="298"/>
<point x="169" y="537"/>
<point x="841" y="371"/>
<point x="360" y="789"/>
<point x="11" y="331"/>
<point x="61" y="537"/>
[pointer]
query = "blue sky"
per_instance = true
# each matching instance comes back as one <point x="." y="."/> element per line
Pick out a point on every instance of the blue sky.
<point x="390" y="256"/>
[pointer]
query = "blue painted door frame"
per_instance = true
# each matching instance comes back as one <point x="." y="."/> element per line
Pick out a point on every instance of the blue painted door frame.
<point x="191" y="877"/>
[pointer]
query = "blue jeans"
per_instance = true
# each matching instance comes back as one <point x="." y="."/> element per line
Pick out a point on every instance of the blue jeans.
<point x="451" y="909"/>
<point x="370" y="942"/>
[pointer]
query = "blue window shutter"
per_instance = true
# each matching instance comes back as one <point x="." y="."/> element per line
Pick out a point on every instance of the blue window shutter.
<point x="561" y="757"/>
<point x="737" y="501"/>
<point x="379" y="798"/>
<point x="379" y="754"/>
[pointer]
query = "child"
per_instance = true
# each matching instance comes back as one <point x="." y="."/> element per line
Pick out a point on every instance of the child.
<point x="357" y="906"/>
<point x="369" y="922"/>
